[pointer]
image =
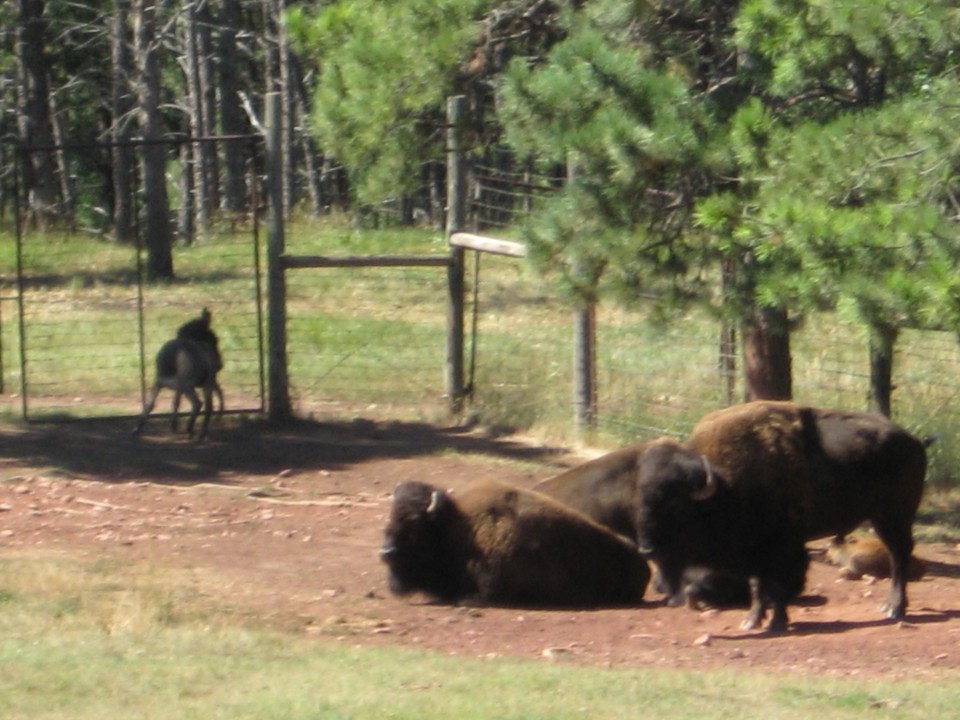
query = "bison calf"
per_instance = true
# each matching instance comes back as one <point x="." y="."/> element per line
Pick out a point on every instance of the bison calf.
<point x="753" y="482"/>
<point x="498" y="544"/>
<point x="859" y="556"/>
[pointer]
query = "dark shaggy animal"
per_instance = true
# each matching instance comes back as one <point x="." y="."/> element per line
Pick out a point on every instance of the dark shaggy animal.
<point x="189" y="361"/>
<point x="199" y="330"/>
<point x="496" y="544"/>
<point x="753" y="482"/>
<point x="859" y="556"/>
<point x="605" y="490"/>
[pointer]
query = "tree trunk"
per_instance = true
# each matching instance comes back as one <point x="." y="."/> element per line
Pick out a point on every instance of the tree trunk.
<point x="34" y="123"/>
<point x="766" y="356"/>
<point x="122" y="157"/>
<point x="278" y="79"/>
<point x="883" y="338"/>
<point x="195" y="53"/>
<point x="231" y="114"/>
<point x="158" y="228"/>
<point x="312" y="158"/>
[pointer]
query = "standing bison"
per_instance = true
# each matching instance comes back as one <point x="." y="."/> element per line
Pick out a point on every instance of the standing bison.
<point x="496" y="544"/>
<point x="753" y="482"/>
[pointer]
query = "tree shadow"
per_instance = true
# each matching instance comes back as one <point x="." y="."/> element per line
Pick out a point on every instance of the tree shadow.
<point x="107" y="450"/>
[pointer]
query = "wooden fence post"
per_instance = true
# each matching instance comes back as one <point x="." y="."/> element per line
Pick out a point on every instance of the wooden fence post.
<point x="278" y="396"/>
<point x="584" y="343"/>
<point x="456" y="214"/>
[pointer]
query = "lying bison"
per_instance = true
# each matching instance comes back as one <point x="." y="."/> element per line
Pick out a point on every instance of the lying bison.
<point x="501" y="545"/>
<point x="859" y="556"/>
<point x="753" y="482"/>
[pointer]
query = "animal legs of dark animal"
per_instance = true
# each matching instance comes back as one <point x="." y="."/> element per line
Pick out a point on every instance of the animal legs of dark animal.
<point x="775" y="586"/>
<point x="182" y="366"/>
<point x="195" y="406"/>
<point x="899" y="541"/>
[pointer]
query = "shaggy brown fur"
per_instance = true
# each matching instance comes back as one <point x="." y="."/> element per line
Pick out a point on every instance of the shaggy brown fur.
<point x="497" y="544"/>
<point x="859" y="556"/>
<point x="753" y="482"/>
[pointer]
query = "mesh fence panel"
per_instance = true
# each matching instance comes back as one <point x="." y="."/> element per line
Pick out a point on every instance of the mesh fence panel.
<point x="80" y="340"/>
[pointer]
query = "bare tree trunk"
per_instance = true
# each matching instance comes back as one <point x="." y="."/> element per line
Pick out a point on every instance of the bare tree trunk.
<point x="62" y="160"/>
<point x="158" y="228"/>
<point x="278" y="80"/>
<point x="208" y="106"/>
<point x="312" y="158"/>
<point x="122" y="157"/>
<point x="231" y="114"/>
<point x="34" y="122"/>
<point x="883" y="338"/>
<point x="191" y="155"/>
<point x="766" y="356"/>
<point x="186" y="213"/>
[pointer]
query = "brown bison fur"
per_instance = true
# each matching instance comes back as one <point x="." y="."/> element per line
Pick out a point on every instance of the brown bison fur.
<point x="858" y="556"/>
<point x="754" y="482"/>
<point x="497" y="544"/>
<point x="605" y="490"/>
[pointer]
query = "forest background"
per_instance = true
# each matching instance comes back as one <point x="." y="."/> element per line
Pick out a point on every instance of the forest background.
<point x="764" y="159"/>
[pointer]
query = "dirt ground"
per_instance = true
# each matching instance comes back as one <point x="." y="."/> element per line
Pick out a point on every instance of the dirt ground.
<point x="285" y="524"/>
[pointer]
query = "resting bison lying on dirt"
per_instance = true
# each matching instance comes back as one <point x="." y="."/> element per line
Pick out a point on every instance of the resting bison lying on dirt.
<point x="753" y="482"/>
<point x="859" y="556"/>
<point x="605" y="490"/>
<point x="497" y="544"/>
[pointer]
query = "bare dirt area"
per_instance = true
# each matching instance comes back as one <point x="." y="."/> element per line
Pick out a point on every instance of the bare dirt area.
<point x="284" y="525"/>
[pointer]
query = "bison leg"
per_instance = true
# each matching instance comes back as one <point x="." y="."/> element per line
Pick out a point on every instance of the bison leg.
<point x="780" y="583"/>
<point x="900" y="543"/>
<point x="757" y="610"/>
<point x="669" y="581"/>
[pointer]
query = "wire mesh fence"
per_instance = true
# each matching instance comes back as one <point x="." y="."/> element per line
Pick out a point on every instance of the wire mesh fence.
<point x="79" y="337"/>
<point x="367" y="342"/>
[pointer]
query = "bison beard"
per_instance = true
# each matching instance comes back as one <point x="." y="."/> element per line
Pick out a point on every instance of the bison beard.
<point x="496" y="544"/>
<point x="752" y="483"/>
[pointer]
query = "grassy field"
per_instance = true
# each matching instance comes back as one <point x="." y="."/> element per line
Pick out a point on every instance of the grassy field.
<point x="371" y="341"/>
<point x="105" y="641"/>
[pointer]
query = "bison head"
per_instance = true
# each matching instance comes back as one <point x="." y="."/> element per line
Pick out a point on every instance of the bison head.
<point x="676" y="486"/>
<point x="418" y="547"/>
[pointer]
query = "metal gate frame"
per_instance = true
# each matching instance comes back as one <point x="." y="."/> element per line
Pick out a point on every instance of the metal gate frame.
<point x="145" y="360"/>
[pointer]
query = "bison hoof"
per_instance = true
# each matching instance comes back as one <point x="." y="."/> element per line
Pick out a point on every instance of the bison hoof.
<point x="749" y="623"/>
<point x="754" y="618"/>
<point x="676" y="600"/>
<point x="892" y="612"/>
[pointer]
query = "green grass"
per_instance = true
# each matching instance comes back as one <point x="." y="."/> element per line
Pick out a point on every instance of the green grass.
<point x="108" y="640"/>
<point x="371" y="341"/>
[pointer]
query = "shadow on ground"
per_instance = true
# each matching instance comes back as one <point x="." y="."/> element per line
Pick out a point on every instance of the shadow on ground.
<point x="106" y="449"/>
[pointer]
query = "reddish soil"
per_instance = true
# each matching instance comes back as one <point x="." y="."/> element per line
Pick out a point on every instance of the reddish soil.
<point x="284" y="526"/>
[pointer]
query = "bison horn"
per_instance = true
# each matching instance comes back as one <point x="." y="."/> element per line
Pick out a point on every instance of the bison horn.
<point x="436" y="498"/>
<point x="709" y="488"/>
